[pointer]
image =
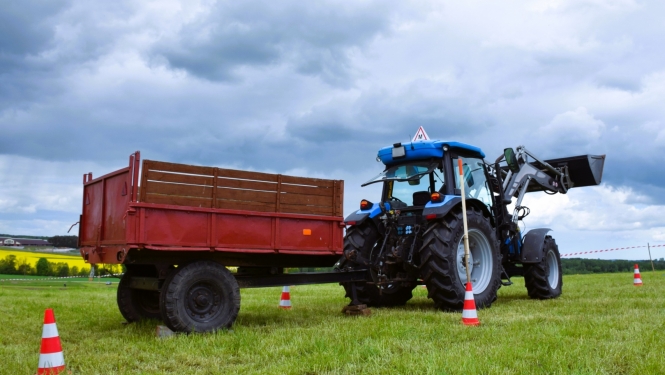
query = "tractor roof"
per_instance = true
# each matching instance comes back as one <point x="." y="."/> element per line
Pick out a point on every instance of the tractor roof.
<point x="420" y="150"/>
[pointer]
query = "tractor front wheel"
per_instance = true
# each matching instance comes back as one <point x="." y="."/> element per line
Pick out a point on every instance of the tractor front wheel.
<point x="544" y="280"/>
<point x="443" y="267"/>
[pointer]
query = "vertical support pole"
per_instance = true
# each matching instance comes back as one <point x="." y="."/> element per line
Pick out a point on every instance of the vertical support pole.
<point x="652" y="267"/>
<point x="135" y="177"/>
<point x="466" y="229"/>
<point x="214" y="188"/>
<point x="278" y="198"/>
<point x="102" y="226"/>
<point x="144" y="180"/>
<point x="334" y="198"/>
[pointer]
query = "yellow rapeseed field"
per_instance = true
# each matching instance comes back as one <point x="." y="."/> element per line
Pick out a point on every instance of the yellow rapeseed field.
<point x="32" y="257"/>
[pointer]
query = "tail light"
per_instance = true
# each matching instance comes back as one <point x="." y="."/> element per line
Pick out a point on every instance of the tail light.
<point x="365" y="204"/>
<point x="436" y="197"/>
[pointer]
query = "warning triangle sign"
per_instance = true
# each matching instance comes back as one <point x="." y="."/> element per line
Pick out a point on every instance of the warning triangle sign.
<point x="420" y="135"/>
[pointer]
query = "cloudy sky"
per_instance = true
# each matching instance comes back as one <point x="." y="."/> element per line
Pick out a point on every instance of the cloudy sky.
<point x="316" y="88"/>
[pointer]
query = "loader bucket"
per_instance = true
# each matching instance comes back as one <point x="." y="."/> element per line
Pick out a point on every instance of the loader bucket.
<point x="584" y="170"/>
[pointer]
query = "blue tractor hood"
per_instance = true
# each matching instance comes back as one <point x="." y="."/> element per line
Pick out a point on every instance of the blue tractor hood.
<point x="427" y="149"/>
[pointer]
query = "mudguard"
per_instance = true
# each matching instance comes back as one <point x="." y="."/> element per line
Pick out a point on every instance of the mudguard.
<point x="356" y="218"/>
<point x="359" y="216"/>
<point x="435" y="211"/>
<point x="532" y="245"/>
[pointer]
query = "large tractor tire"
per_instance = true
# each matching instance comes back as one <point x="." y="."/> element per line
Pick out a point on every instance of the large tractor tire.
<point x="136" y="304"/>
<point x="544" y="280"/>
<point x="362" y="239"/>
<point x="442" y="258"/>
<point x="201" y="296"/>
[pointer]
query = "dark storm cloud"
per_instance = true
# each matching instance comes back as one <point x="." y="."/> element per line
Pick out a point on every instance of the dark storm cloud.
<point x="26" y="28"/>
<point x="44" y="43"/>
<point x="315" y="38"/>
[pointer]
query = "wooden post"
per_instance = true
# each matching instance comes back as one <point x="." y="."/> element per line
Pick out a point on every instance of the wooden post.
<point x="278" y="205"/>
<point x="466" y="229"/>
<point x="652" y="267"/>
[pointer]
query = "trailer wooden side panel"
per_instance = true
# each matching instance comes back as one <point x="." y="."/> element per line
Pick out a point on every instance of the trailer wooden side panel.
<point x="188" y="185"/>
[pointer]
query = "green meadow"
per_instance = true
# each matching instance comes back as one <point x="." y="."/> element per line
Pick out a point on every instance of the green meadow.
<point x="602" y="324"/>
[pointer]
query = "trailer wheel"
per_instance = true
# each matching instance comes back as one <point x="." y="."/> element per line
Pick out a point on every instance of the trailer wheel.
<point x="544" y="280"/>
<point x="135" y="304"/>
<point x="442" y="261"/>
<point x="362" y="239"/>
<point x="200" y="297"/>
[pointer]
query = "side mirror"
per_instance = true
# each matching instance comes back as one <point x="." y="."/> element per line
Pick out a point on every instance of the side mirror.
<point x="509" y="154"/>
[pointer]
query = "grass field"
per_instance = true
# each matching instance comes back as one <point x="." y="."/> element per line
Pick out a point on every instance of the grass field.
<point x="32" y="257"/>
<point x="601" y="325"/>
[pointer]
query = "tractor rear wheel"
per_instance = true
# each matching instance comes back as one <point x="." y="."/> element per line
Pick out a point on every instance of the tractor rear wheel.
<point x="442" y="261"/>
<point x="544" y="280"/>
<point x="199" y="297"/>
<point x="136" y="304"/>
<point x="362" y="239"/>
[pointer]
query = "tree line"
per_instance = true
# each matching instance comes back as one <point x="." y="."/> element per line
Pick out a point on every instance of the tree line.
<point x="573" y="266"/>
<point x="577" y="266"/>
<point x="11" y="265"/>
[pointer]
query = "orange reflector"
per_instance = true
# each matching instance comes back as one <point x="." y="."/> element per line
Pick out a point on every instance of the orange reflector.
<point x="436" y="197"/>
<point x="306" y="232"/>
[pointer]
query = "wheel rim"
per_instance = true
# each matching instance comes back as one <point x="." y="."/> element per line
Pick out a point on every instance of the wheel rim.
<point x="148" y="301"/>
<point x="480" y="261"/>
<point x="204" y="302"/>
<point x="553" y="266"/>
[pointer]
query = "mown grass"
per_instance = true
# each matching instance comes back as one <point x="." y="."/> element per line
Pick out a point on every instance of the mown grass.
<point x="601" y="325"/>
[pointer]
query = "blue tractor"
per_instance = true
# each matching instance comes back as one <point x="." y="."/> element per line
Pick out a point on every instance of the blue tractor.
<point x="414" y="232"/>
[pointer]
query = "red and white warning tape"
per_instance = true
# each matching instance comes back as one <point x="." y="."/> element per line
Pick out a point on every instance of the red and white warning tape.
<point x="606" y="250"/>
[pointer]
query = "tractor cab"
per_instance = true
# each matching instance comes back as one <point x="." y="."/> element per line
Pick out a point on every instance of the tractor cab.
<point x="421" y="175"/>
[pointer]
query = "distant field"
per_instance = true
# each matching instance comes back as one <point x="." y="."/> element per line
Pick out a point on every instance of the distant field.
<point x="601" y="325"/>
<point x="32" y="257"/>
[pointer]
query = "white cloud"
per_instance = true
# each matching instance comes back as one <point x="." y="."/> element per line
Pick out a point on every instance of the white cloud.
<point x="578" y="127"/>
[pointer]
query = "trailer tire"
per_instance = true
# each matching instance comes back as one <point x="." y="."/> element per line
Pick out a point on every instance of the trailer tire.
<point x="202" y="296"/>
<point x="442" y="260"/>
<point x="136" y="304"/>
<point x="544" y="280"/>
<point x="362" y="239"/>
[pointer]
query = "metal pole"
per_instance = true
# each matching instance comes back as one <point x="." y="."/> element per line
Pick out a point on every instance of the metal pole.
<point x="466" y="229"/>
<point x="652" y="267"/>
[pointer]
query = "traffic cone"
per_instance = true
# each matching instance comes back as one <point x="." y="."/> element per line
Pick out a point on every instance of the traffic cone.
<point x="637" y="280"/>
<point x="469" y="316"/>
<point x="51" y="360"/>
<point x="285" y="301"/>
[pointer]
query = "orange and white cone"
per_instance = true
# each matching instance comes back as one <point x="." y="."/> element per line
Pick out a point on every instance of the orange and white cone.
<point x="51" y="360"/>
<point x="637" y="280"/>
<point x="469" y="315"/>
<point x="285" y="301"/>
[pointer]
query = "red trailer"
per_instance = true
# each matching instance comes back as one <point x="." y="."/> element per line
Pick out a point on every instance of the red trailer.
<point x="179" y="229"/>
